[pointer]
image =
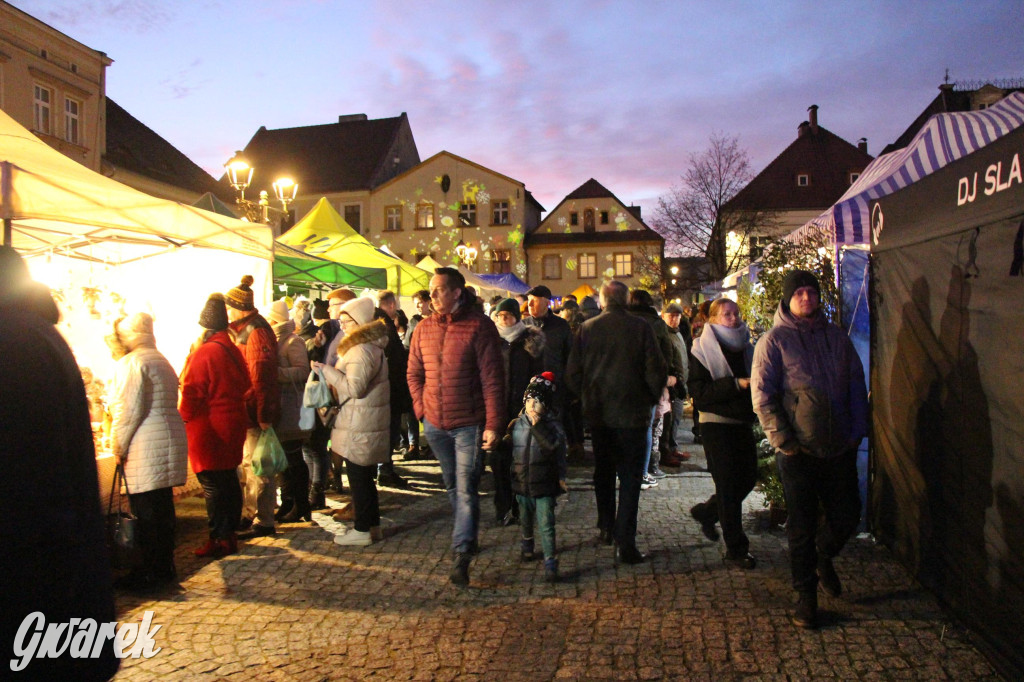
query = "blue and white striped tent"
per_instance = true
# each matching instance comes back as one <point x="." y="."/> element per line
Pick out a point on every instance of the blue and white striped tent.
<point x="943" y="139"/>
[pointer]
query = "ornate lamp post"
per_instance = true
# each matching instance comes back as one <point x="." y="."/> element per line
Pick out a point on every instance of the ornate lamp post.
<point x="240" y="174"/>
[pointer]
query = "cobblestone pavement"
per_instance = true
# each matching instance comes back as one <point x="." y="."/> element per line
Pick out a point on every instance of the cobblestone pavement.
<point x="296" y="606"/>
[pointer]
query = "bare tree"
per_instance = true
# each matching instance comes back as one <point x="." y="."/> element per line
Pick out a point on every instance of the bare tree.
<point x="694" y="217"/>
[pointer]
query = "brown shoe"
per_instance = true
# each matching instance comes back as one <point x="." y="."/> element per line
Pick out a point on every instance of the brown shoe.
<point x="346" y="513"/>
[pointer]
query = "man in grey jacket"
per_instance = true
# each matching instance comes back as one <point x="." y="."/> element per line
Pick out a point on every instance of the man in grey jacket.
<point x="809" y="393"/>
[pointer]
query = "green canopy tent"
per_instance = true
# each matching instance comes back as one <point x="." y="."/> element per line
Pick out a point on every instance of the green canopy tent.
<point x="324" y="233"/>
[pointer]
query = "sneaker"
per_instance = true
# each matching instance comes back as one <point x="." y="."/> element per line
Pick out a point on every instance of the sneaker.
<point x="656" y="472"/>
<point x="354" y="538"/>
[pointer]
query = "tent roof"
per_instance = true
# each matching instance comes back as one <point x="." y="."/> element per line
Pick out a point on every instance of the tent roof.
<point x="323" y="232"/>
<point x="55" y="203"/>
<point x="944" y="139"/>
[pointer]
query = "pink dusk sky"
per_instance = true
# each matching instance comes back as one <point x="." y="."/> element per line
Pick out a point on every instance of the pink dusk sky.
<point x="549" y="93"/>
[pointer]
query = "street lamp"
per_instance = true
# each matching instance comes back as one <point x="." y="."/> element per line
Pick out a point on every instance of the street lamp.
<point x="240" y="177"/>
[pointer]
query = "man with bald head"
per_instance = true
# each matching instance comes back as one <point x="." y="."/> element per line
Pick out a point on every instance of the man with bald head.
<point x="617" y="370"/>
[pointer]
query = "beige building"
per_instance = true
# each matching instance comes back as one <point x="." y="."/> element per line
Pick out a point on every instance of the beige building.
<point x="591" y="237"/>
<point x="53" y="85"/>
<point x="430" y="208"/>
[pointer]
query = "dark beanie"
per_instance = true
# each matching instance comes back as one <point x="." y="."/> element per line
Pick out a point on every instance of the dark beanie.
<point x="214" y="316"/>
<point x="509" y="305"/>
<point x="320" y="311"/>
<point x="240" y="298"/>
<point x="794" y="280"/>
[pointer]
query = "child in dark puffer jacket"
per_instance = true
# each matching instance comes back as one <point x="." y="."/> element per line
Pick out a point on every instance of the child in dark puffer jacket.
<point x="538" y="470"/>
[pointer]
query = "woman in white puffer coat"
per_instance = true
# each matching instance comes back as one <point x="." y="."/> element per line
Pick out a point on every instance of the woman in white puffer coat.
<point x="148" y="438"/>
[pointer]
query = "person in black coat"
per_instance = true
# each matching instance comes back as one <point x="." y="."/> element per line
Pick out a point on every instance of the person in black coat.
<point x="719" y="382"/>
<point x="52" y="532"/>
<point x="522" y="349"/>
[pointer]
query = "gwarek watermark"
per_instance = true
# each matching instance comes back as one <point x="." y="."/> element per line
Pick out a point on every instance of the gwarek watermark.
<point x="82" y="638"/>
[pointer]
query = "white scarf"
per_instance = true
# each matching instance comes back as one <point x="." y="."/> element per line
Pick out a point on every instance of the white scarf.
<point x="512" y="333"/>
<point x="707" y="348"/>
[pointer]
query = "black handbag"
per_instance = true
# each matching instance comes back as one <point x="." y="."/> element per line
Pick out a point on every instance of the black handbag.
<point x="122" y="525"/>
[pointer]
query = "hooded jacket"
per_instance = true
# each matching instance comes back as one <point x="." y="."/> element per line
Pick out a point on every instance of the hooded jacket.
<point x="214" y="384"/>
<point x="807" y="385"/>
<point x="362" y="432"/>
<point x="455" y="371"/>
<point x="292" y="370"/>
<point x="146" y="427"/>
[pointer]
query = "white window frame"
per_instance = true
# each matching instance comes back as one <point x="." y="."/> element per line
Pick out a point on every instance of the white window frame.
<point x="392" y="218"/>
<point x="587" y="266"/>
<point x="42" y="107"/>
<point x="623" y="264"/>
<point x="552" y="258"/>
<point x="500" y="212"/>
<point x="73" y="120"/>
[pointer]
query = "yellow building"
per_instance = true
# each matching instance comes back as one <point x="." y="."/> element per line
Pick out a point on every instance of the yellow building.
<point x="430" y="208"/>
<point x="591" y="237"/>
<point x="53" y="85"/>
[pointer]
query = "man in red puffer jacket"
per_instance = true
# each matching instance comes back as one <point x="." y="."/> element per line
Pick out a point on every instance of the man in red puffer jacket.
<point x="457" y="379"/>
<point x="255" y="338"/>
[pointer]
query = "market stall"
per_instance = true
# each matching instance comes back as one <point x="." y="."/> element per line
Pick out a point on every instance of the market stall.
<point x="106" y="250"/>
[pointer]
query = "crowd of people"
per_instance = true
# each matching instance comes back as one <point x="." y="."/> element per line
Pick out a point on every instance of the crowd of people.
<point x="513" y="384"/>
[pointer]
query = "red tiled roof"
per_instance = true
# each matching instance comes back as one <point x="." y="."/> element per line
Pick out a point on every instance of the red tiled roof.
<point x="823" y="156"/>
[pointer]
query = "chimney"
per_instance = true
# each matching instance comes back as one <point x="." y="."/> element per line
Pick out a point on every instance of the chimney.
<point x="862" y="144"/>
<point x="812" y="117"/>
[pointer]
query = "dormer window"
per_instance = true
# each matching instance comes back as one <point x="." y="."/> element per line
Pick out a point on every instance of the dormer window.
<point x="803" y="180"/>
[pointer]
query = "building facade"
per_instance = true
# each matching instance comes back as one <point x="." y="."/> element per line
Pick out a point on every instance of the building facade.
<point x="53" y="85"/>
<point x="591" y="237"/>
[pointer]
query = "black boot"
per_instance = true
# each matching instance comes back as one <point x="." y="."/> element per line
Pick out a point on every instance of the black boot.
<point x="460" y="571"/>
<point x="317" y="499"/>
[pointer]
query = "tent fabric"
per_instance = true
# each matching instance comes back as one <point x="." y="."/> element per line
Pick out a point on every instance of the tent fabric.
<point x="324" y="233"/>
<point x="947" y="358"/>
<point x="55" y="203"/>
<point x="295" y="268"/>
<point x="507" y="282"/>
<point x="943" y="139"/>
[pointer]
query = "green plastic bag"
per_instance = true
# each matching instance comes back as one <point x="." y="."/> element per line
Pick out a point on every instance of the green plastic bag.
<point x="268" y="459"/>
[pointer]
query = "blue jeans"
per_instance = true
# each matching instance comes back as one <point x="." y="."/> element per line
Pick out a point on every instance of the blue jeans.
<point x="462" y="463"/>
<point x="541" y="510"/>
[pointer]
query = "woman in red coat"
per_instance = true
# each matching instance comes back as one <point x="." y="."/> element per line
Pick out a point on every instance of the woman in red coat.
<point x="213" y="387"/>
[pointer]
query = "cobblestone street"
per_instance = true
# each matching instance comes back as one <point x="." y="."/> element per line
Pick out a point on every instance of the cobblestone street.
<point x="298" y="607"/>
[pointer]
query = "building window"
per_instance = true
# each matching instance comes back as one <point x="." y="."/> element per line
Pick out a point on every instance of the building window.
<point x="757" y="246"/>
<point x="501" y="261"/>
<point x="803" y="180"/>
<point x="41" y="107"/>
<point x="853" y="177"/>
<point x="425" y="217"/>
<point x="354" y="217"/>
<point x="604" y="217"/>
<point x="71" y="120"/>
<point x="587" y="266"/>
<point x="499" y="213"/>
<point x="574" y="218"/>
<point x="623" y="265"/>
<point x="393" y="216"/>
<point x="467" y="214"/>
<point x="588" y="220"/>
<point x="553" y="267"/>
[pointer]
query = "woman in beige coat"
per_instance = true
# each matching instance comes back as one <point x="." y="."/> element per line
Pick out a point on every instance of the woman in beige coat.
<point x="361" y="433"/>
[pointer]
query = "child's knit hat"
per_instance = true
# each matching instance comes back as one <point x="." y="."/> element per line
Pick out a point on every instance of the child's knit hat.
<point x="542" y="388"/>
